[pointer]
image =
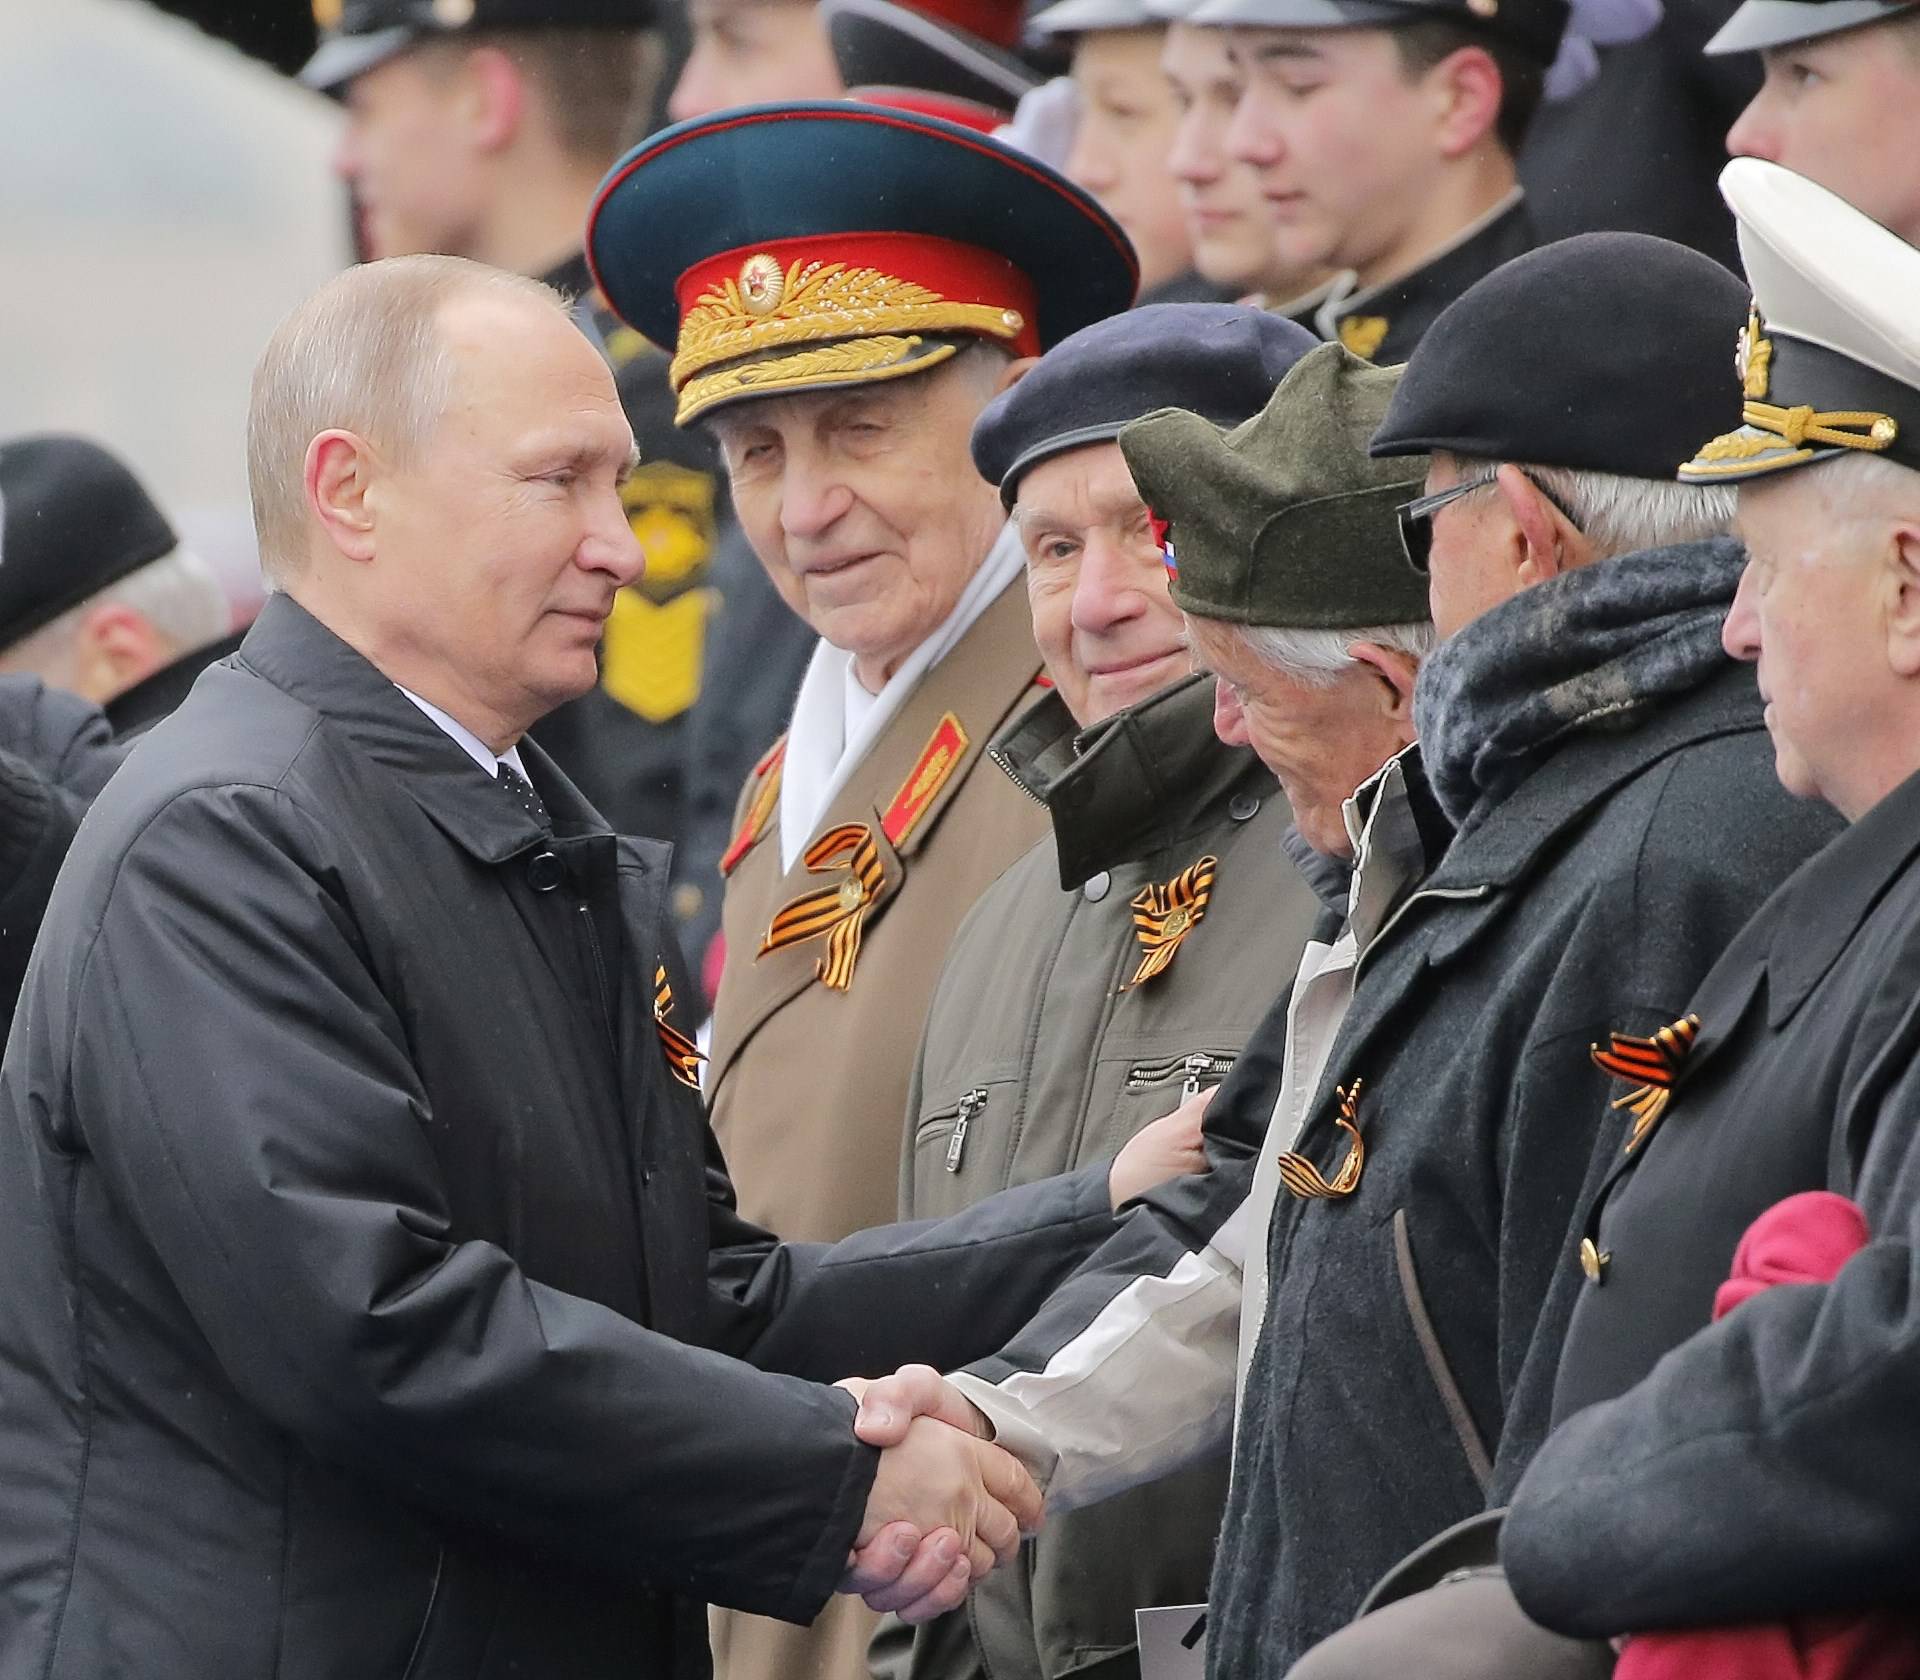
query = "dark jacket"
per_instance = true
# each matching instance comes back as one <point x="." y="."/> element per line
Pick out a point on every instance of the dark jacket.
<point x="1040" y="1035"/>
<point x="369" y="1276"/>
<point x="1618" y="822"/>
<point x="1766" y="1466"/>
<point x="142" y="706"/>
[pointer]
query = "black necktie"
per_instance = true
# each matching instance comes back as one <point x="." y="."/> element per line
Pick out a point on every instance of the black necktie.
<point x="520" y="791"/>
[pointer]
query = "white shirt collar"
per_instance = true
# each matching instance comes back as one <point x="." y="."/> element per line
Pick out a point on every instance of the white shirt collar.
<point x="469" y="743"/>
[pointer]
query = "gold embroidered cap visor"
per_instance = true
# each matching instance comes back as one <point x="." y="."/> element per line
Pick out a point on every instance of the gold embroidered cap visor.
<point x="805" y="247"/>
<point x="1829" y="361"/>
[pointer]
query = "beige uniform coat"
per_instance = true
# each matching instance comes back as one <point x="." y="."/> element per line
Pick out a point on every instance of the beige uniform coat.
<point x="808" y="1082"/>
<point x="1047" y="1048"/>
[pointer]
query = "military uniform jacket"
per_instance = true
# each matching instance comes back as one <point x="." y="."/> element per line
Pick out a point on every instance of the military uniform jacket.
<point x="808" y="1082"/>
<point x="370" y="1273"/>
<point x="1766" y="1465"/>
<point x="1045" y="1051"/>
<point x="1414" y="1318"/>
<point x="1385" y="323"/>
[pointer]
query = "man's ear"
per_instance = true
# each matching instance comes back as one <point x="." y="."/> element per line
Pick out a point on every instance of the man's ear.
<point x="1014" y="372"/>
<point x="1903" y="613"/>
<point x="498" y="97"/>
<point x="1394" y="674"/>
<point x="1551" y="543"/>
<point x="117" y="647"/>
<point x="1468" y="89"/>
<point x="340" y="470"/>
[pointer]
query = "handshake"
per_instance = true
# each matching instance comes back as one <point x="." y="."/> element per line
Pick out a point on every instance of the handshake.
<point x="947" y="1505"/>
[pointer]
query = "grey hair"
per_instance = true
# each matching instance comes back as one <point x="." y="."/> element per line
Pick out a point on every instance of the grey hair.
<point x="1621" y="515"/>
<point x="177" y="594"/>
<point x="1859" y="488"/>
<point x="363" y="354"/>
<point x="1318" y="658"/>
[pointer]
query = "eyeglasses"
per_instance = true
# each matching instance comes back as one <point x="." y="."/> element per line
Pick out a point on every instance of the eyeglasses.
<point x="1416" y="516"/>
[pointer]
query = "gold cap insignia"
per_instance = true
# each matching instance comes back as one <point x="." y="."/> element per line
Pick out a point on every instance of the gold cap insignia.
<point x="763" y="282"/>
<point x="1754" y="358"/>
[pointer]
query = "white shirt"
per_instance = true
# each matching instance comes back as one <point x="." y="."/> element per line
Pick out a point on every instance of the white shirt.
<point x="468" y="742"/>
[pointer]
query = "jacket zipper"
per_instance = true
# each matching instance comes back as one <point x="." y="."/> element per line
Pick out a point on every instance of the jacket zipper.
<point x="1406" y="904"/>
<point x="599" y="971"/>
<point x="1201" y="1068"/>
<point x="970" y="1105"/>
<point x="1013" y="775"/>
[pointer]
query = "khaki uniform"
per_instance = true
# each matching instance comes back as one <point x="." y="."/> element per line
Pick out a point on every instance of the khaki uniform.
<point x="808" y="1083"/>
<point x="1045" y="1051"/>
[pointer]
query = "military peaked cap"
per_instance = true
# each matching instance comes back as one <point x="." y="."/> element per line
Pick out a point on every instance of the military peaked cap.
<point x="73" y="520"/>
<point x="1534" y="26"/>
<point x="1221" y="361"/>
<point x="1829" y="360"/>
<point x="804" y="247"/>
<point x="357" y="35"/>
<point x="1779" y="23"/>
<point x="1286" y="520"/>
<point x="895" y="55"/>
<point x="1579" y="354"/>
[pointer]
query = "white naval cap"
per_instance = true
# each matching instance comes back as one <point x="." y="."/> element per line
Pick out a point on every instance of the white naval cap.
<point x="1830" y="356"/>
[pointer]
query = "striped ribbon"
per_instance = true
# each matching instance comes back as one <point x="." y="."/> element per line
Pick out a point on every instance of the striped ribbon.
<point x="1302" y="1178"/>
<point x="835" y="913"/>
<point x="1655" y="1064"/>
<point x="1164" y="916"/>
<point x="683" y="1055"/>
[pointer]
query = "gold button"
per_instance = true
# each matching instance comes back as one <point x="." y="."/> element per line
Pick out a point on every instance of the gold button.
<point x="853" y="894"/>
<point x="1593" y="1262"/>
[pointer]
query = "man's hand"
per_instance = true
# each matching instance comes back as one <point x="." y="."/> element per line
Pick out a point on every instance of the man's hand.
<point x="889" y="1404"/>
<point x="944" y="1508"/>
<point x="1169" y="1148"/>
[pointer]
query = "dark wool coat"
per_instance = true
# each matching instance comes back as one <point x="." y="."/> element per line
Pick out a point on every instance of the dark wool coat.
<point x="1767" y="1465"/>
<point x="1619" y="821"/>
<point x="370" y="1281"/>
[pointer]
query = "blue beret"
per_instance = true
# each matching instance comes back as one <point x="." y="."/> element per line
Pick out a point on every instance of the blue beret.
<point x="1221" y="361"/>
<point x="1601" y="353"/>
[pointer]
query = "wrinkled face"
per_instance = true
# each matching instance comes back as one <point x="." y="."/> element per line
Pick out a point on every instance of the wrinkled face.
<point x="746" y="52"/>
<point x="1102" y="613"/>
<point x="1472" y="567"/>
<point x="1229" y="224"/>
<point x="1810" y="614"/>
<point x="1341" y="139"/>
<point x="1321" y="742"/>
<point x="499" y="546"/>
<point x="1121" y="142"/>
<point x="864" y="505"/>
<point x="418" y="183"/>
<point x="1844" y="110"/>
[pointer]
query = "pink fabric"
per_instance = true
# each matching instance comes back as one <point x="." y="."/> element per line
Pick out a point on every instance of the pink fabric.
<point x="1805" y="1239"/>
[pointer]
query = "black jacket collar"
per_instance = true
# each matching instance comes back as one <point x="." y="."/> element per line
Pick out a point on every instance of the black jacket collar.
<point x="1133" y="783"/>
<point x="294" y="651"/>
<point x="146" y="703"/>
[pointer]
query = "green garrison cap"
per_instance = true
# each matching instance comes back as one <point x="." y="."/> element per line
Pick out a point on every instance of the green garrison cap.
<point x="1286" y="520"/>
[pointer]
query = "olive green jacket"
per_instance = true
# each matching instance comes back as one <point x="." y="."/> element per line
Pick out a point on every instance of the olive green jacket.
<point x="1043" y="1053"/>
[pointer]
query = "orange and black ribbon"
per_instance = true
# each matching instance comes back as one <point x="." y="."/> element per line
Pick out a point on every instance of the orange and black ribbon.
<point x="1164" y="916"/>
<point x="834" y="913"/>
<point x="1653" y="1066"/>
<point x="1303" y="1178"/>
<point x="683" y="1055"/>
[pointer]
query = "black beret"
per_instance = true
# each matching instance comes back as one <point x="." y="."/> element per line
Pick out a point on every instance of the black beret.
<point x="359" y="35"/>
<point x="1601" y="353"/>
<point x="73" y="519"/>
<point x="1218" y="360"/>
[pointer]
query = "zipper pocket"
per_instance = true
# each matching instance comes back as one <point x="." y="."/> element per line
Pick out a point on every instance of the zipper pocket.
<point x="962" y="1117"/>
<point x="1201" y="1070"/>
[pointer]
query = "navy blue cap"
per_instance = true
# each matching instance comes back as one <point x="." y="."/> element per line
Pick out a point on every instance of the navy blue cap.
<point x="73" y="519"/>
<point x="1221" y="361"/>
<point x="1596" y="353"/>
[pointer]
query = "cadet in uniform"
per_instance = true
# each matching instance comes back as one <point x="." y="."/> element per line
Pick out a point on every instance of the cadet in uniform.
<point x="1363" y="180"/>
<point x="848" y="287"/>
<point x="1122" y="963"/>
<point x="1765" y="1466"/>
<point x="479" y="128"/>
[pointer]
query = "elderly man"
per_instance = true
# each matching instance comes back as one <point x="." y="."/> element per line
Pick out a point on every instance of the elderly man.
<point x="1291" y="573"/>
<point x="1841" y="100"/>
<point x="848" y="288"/>
<point x="1764" y="1466"/>
<point x="1121" y="965"/>
<point x="372" y="1276"/>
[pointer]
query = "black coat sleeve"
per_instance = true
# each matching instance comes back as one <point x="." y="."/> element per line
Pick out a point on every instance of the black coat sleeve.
<point x="246" y="1092"/>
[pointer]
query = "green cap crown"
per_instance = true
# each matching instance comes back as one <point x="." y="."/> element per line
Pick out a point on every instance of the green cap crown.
<point x="1286" y="520"/>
